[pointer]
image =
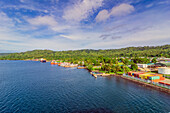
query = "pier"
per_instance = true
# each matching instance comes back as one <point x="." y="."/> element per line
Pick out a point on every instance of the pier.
<point x="95" y="74"/>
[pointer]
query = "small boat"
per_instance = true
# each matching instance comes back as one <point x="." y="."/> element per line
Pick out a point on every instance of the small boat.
<point x="42" y="60"/>
<point x="52" y="63"/>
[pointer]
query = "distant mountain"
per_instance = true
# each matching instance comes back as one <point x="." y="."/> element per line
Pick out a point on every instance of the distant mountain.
<point x="146" y="51"/>
<point x="4" y="54"/>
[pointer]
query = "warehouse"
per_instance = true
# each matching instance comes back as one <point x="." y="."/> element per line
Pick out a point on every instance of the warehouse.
<point x="164" y="70"/>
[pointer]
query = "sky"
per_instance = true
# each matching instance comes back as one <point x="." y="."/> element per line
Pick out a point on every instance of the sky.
<point x="82" y="24"/>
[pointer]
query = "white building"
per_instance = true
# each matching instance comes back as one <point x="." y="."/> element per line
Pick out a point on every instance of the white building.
<point x="164" y="70"/>
<point x="142" y="65"/>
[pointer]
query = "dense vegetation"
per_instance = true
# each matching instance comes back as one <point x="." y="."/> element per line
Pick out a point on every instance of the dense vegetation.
<point x="108" y="61"/>
<point x="145" y="51"/>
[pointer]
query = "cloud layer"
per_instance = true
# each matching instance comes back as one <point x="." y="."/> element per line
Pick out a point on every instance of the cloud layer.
<point x="81" y="10"/>
<point x="82" y="24"/>
<point x="120" y="10"/>
<point x="43" y="20"/>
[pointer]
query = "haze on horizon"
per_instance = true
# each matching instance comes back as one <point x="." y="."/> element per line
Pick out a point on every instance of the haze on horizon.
<point x="83" y="24"/>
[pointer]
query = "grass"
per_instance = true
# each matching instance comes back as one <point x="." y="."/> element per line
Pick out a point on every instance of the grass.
<point x="119" y="73"/>
<point x="167" y="75"/>
<point x="120" y="63"/>
<point x="96" y="68"/>
<point x="93" y="70"/>
<point x="102" y="71"/>
<point x="112" y="73"/>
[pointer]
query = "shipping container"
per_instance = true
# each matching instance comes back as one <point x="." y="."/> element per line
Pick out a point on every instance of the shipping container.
<point x="162" y="78"/>
<point x="154" y="77"/>
<point x="157" y="80"/>
<point x="129" y="73"/>
<point x="137" y="74"/>
<point x="145" y="76"/>
<point x="160" y="75"/>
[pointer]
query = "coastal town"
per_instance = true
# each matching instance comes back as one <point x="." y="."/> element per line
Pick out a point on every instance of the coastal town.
<point x="155" y="74"/>
<point x="85" y="56"/>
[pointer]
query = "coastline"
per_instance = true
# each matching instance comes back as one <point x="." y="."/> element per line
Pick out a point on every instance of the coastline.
<point x="123" y="77"/>
<point x="166" y="90"/>
<point x="132" y="80"/>
<point x="147" y="84"/>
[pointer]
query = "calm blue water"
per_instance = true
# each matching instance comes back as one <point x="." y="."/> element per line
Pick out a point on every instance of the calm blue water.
<point x="27" y="86"/>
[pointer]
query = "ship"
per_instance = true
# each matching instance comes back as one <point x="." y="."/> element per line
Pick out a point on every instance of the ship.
<point x="42" y="60"/>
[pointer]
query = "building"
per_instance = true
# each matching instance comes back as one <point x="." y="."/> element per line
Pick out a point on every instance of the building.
<point x="142" y="65"/>
<point x="164" y="70"/>
<point x="157" y="65"/>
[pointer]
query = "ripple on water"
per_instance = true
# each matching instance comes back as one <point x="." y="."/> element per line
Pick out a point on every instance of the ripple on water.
<point x="40" y="87"/>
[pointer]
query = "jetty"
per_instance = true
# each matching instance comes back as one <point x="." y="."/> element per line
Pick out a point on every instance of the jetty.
<point x="95" y="74"/>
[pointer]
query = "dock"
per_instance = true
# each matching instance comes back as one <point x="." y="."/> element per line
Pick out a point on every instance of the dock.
<point x="95" y="74"/>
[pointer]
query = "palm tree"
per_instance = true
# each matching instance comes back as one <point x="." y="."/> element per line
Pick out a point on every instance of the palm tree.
<point x="118" y="68"/>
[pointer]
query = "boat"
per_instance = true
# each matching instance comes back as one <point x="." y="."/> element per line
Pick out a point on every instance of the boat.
<point x="42" y="60"/>
<point x="52" y="63"/>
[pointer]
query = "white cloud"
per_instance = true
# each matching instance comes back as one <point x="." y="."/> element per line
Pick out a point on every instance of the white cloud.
<point x="79" y="35"/>
<point x="157" y="35"/>
<point x="15" y="34"/>
<point x="43" y="20"/>
<point x="5" y="21"/>
<point x="120" y="10"/>
<point x="18" y="42"/>
<point x="81" y="10"/>
<point x="30" y="7"/>
<point x="50" y="22"/>
<point x="61" y="28"/>
<point x="74" y="37"/>
<point x="102" y="15"/>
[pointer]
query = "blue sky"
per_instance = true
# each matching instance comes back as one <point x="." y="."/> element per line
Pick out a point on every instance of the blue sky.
<point x="82" y="24"/>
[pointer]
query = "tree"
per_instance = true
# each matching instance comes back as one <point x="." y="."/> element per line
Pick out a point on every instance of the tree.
<point x="115" y="61"/>
<point x="126" y="61"/>
<point x="90" y="67"/>
<point x="106" y="68"/>
<point x="126" y="69"/>
<point x="118" y="68"/>
<point x="154" y="60"/>
<point x="80" y="63"/>
<point x="75" y="62"/>
<point x="134" y="67"/>
<point x="146" y="60"/>
<point x="113" y="68"/>
<point x="106" y="55"/>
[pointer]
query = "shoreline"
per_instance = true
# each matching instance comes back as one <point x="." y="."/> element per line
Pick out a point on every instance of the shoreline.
<point x="166" y="90"/>
<point x="147" y="84"/>
<point x="129" y="79"/>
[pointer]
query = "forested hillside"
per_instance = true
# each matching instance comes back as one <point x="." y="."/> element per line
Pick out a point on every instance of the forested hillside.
<point x="146" y="51"/>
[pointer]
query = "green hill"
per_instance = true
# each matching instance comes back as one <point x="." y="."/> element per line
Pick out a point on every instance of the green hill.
<point x="149" y="51"/>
